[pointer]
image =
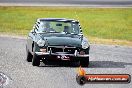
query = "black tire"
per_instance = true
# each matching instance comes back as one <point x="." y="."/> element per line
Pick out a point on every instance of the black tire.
<point x="84" y="62"/>
<point x="29" y="55"/>
<point x="36" y="60"/>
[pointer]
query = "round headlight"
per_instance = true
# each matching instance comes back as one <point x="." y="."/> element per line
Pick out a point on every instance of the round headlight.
<point x="41" y="42"/>
<point x="85" y="44"/>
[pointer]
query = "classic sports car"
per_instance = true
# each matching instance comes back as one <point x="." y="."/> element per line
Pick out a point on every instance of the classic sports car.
<point x="57" y="39"/>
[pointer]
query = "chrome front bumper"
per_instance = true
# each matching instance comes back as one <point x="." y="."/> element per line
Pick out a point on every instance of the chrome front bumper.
<point x="61" y="54"/>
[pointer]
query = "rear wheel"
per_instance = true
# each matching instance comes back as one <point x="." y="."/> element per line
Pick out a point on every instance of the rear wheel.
<point x="29" y="55"/>
<point x="84" y="62"/>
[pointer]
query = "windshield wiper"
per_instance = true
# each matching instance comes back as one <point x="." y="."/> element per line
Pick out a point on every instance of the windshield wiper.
<point x="49" y="32"/>
<point x="53" y="32"/>
<point x="72" y="33"/>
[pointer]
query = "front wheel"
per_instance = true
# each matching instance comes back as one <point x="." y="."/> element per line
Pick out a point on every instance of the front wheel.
<point x="84" y="62"/>
<point x="29" y="55"/>
<point x="36" y="60"/>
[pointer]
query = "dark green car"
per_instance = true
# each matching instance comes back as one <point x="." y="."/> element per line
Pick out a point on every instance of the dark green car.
<point x="57" y="39"/>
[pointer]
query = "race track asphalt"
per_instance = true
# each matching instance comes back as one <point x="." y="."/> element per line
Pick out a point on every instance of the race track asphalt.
<point x="104" y="59"/>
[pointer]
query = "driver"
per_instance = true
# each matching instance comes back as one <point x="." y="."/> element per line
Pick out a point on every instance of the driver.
<point x="47" y="27"/>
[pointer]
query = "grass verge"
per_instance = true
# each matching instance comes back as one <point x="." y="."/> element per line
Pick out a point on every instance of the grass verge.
<point x="101" y="25"/>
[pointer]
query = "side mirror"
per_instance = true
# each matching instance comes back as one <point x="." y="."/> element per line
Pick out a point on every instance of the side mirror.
<point x="81" y="36"/>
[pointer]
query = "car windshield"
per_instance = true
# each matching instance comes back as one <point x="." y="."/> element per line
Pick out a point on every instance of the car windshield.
<point x="59" y="27"/>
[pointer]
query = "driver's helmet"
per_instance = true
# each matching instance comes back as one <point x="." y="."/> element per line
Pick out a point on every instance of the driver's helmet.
<point x="46" y="25"/>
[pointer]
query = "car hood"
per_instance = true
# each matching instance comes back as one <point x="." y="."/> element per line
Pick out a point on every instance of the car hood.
<point x="62" y="40"/>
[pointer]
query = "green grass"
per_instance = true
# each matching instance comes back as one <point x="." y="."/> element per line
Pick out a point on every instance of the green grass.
<point x="103" y="23"/>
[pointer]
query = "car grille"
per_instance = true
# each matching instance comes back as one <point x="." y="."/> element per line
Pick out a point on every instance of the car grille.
<point x="56" y="49"/>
